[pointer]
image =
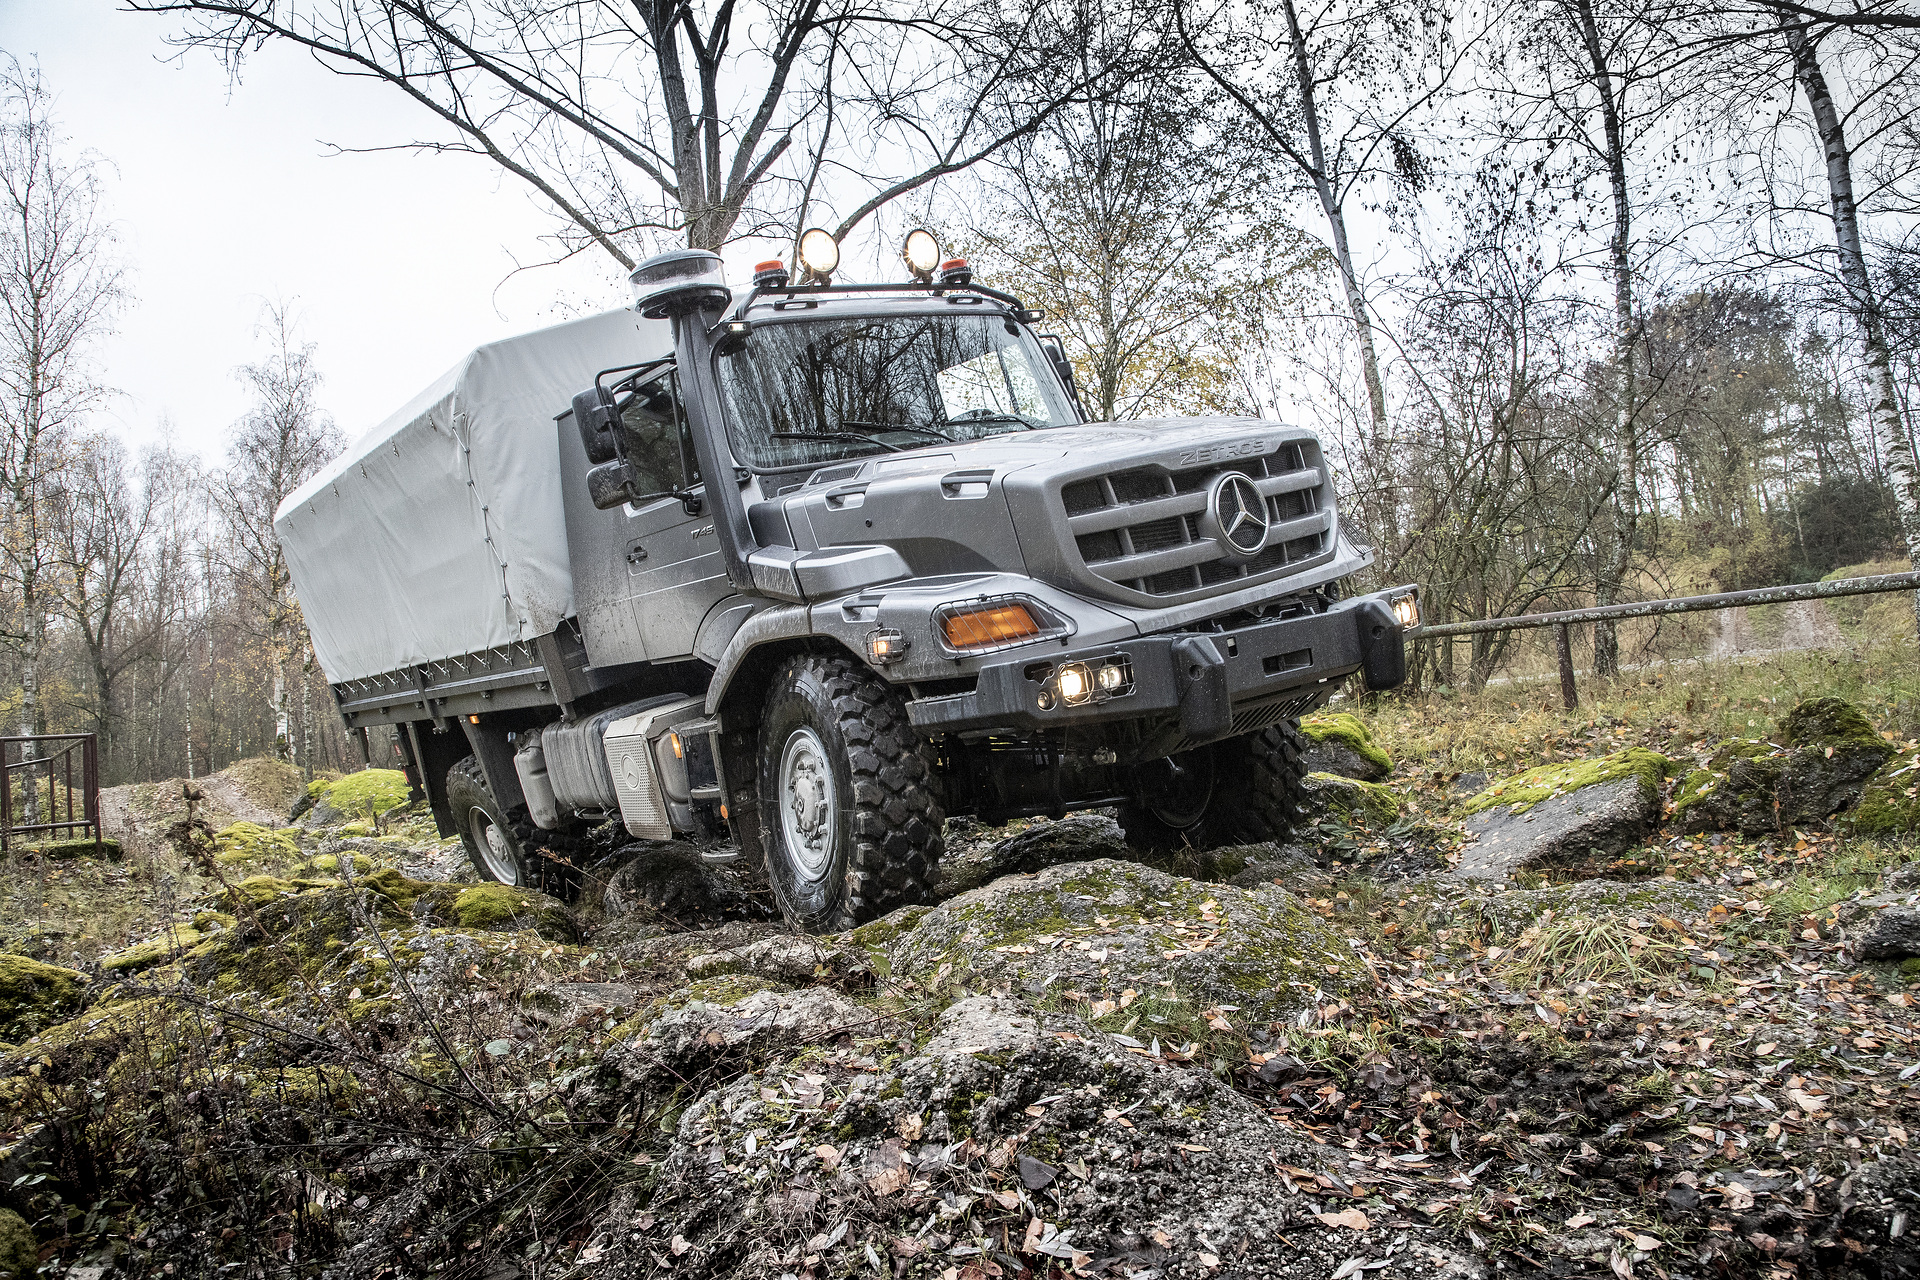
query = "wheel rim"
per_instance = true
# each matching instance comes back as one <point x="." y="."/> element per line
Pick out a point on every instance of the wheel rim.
<point x="809" y="807"/>
<point x="1181" y="788"/>
<point x="494" y="850"/>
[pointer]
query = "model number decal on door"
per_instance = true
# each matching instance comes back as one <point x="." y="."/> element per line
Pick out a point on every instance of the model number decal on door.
<point x="1222" y="452"/>
<point x="703" y="531"/>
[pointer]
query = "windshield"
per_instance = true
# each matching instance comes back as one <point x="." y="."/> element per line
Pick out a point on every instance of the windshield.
<point x="804" y="392"/>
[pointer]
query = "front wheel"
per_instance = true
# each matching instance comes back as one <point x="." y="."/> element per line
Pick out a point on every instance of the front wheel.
<point x="1245" y="790"/>
<point x="849" y="814"/>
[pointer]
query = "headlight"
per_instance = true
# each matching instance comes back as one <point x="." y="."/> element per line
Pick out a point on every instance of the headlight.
<point x="922" y="254"/>
<point x="1406" y="609"/>
<point x="819" y="254"/>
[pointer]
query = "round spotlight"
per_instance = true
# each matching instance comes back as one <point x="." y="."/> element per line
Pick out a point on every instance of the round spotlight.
<point x="1076" y="683"/>
<point x="1111" y="678"/>
<point x="922" y="254"/>
<point x="819" y="254"/>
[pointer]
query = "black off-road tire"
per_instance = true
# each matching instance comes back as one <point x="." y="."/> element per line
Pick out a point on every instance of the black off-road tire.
<point x="1257" y="784"/>
<point x="1263" y="782"/>
<point x="886" y="827"/>
<point x="541" y="859"/>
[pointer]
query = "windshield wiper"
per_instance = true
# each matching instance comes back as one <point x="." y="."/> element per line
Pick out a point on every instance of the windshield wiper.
<point x="887" y="426"/>
<point x="967" y="420"/>
<point x="859" y="437"/>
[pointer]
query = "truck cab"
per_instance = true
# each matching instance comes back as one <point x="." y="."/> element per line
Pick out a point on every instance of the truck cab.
<point x="848" y="560"/>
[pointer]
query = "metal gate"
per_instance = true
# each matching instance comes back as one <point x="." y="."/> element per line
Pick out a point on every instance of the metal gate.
<point x="29" y="763"/>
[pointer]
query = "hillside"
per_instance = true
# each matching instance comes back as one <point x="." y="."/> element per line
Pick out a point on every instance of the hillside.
<point x="1624" y="993"/>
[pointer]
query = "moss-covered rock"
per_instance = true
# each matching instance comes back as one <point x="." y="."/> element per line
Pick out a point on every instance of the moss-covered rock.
<point x="1562" y="815"/>
<point x="1890" y="803"/>
<point x="1523" y="791"/>
<point x="172" y="941"/>
<point x="257" y="891"/>
<point x="329" y="864"/>
<point x="35" y="996"/>
<point x="248" y="844"/>
<point x="1341" y="744"/>
<point x="1754" y="785"/>
<point x="357" y="796"/>
<point x="19" y="1251"/>
<point x="1332" y="797"/>
<point x="499" y="906"/>
<point x="1078" y="837"/>
<point x="1101" y="927"/>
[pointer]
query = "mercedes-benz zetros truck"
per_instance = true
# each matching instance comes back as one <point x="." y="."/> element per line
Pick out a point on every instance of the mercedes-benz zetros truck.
<point x="819" y="566"/>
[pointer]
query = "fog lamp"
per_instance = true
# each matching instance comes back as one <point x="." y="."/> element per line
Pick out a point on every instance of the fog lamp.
<point x="922" y="254"/>
<point x="885" y="646"/>
<point x="1406" y="610"/>
<point x="1111" y="677"/>
<point x="1076" y="683"/>
<point x="819" y="254"/>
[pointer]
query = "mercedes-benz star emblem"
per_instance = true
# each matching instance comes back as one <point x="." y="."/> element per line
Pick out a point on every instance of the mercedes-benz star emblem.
<point x="1239" y="514"/>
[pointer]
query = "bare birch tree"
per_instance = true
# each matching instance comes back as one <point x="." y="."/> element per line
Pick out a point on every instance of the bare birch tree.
<point x="658" y="121"/>
<point x="1861" y="302"/>
<point x="1154" y="298"/>
<point x="60" y="288"/>
<point x="284" y="439"/>
<point x="1593" y="93"/>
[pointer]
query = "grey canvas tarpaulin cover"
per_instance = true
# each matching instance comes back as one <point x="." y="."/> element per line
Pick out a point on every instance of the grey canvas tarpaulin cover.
<point x="440" y="532"/>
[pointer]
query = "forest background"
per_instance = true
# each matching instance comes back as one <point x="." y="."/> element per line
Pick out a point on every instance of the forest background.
<point x="1590" y="301"/>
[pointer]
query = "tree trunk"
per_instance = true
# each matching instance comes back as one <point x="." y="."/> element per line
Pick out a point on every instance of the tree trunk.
<point x="282" y="721"/>
<point x="306" y="716"/>
<point x="1884" y="408"/>
<point x="1624" y="502"/>
<point x="1334" y="212"/>
<point x="31" y="644"/>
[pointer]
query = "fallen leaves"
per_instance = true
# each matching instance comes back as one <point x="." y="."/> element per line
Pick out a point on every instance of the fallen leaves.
<point x="1352" y="1219"/>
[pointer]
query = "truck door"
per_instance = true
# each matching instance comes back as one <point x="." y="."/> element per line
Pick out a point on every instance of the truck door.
<point x="645" y="575"/>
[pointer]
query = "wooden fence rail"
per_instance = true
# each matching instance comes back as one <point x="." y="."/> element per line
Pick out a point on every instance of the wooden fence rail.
<point x="1565" y="618"/>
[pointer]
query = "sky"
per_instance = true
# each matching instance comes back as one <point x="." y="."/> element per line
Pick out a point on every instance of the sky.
<point x="227" y="197"/>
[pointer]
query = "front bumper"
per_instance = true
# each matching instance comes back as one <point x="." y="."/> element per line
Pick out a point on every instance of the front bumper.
<point x="1190" y="687"/>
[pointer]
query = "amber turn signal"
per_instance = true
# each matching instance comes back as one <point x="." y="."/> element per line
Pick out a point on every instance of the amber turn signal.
<point x="996" y="624"/>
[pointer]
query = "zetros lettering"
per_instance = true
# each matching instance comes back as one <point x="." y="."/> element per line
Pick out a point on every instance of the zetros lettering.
<point x="1222" y="452"/>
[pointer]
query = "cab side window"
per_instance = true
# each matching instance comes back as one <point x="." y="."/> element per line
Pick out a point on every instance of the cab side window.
<point x="658" y="441"/>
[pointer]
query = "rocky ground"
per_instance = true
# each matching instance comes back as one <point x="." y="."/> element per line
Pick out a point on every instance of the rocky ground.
<point x="1644" y="1009"/>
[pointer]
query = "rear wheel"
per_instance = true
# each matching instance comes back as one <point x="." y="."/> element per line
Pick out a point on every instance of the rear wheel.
<point x="502" y="843"/>
<point x="1245" y="790"/>
<point x="850" y="819"/>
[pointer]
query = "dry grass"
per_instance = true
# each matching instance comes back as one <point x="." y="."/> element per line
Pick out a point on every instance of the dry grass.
<point x="1514" y="726"/>
<point x="1575" y="949"/>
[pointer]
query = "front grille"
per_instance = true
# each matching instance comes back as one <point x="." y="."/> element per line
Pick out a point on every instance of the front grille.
<point x="1142" y="528"/>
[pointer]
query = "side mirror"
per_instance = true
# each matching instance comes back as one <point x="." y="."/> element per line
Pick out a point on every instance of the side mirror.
<point x="598" y="418"/>
<point x="607" y="485"/>
<point x="650" y="470"/>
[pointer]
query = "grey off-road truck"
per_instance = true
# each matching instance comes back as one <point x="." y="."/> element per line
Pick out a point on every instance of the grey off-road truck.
<point x="820" y="566"/>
